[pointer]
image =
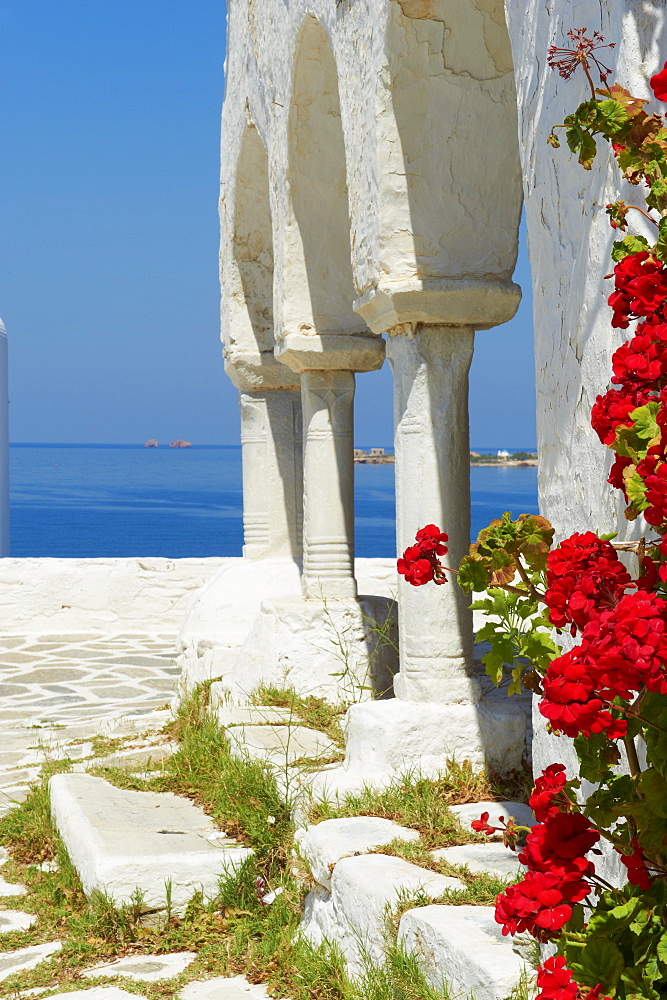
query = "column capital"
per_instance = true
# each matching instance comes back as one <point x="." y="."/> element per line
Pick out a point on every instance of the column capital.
<point x="303" y="352"/>
<point x="453" y="302"/>
<point x="255" y="371"/>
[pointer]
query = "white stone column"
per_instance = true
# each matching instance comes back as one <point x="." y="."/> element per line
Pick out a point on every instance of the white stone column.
<point x="327" y="399"/>
<point x="272" y="473"/>
<point x="433" y="487"/>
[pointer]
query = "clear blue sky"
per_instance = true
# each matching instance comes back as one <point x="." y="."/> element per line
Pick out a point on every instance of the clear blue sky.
<point x="108" y="259"/>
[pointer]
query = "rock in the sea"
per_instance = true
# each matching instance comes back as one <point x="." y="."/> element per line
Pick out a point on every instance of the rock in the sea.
<point x="152" y="443"/>
<point x="180" y="444"/>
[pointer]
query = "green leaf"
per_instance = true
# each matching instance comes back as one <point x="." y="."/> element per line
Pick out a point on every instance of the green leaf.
<point x="599" y="962"/>
<point x="474" y="573"/>
<point x="653" y="786"/>
<point x="608" y="921"/>
<point x="592" y="752"/>
<point x="613" y="116"/>
<point x="628" y="245"/>
<point x="661" y="246"/>
<point x="644" y="417"/>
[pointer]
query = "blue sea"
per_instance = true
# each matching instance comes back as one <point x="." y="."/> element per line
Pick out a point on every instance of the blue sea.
<point x="126" y="500"/>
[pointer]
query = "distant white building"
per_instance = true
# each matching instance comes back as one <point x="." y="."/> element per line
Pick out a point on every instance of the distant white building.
<point x="503" y="454"/>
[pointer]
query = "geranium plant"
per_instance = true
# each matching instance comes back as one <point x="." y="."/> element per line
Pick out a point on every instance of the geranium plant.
<point x="608" y="689"/>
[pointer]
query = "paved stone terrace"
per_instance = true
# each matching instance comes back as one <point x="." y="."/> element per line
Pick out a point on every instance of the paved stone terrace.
<point x="58" y="691"/>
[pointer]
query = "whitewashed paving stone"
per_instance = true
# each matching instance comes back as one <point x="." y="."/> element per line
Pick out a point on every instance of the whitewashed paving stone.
<point x="93" y="993"/>
<point x="464" y="946"/>
<point x="15" y="920"/>
<point x="121" y="840"/>
<point x="4" y="855"/>
<point x="145" y="968"/>
<point x="466" y="813"/>
<point x="280" y="745"/>
<point x="323" y="845"/>
<point x="353" y="914"/>
<point x="220" y="988"/>
<point x="489" y="859"/>
<point x="26" y="958"/>
<point x="11" y="888"/>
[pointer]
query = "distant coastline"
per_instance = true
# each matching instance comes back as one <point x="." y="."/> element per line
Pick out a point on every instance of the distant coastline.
<point x="502" y="459"/>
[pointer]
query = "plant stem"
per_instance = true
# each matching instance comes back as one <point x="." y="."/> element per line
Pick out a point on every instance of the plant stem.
<point x="633" y="760"/>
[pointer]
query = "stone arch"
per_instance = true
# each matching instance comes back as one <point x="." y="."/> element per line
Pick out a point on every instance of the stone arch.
<point x="448" y="171"/>
<point x="318" y="281"/>
<point x="250" y="299"/>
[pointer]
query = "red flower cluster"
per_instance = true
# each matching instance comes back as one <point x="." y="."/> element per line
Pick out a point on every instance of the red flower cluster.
<point x="640" y="288"/>
<point x="613" y="410"/>
<point x="547" y="792"/>
<point x="622" y="650"/>
<point x="555" y="856"/>
<point x="556" y="983"/>
<point x="642" y="361"/>
<point x="654" y="473"/>
<point x="584" y="577"/>
<point x="419" y="563"/>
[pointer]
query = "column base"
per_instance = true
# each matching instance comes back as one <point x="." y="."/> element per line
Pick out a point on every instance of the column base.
<point x="343" y="651"/>
<point x="385" y="740"/>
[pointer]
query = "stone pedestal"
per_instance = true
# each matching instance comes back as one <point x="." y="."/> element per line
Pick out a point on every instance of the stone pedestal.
<point x="433" y="487"/>
<point x="343" y="651"/>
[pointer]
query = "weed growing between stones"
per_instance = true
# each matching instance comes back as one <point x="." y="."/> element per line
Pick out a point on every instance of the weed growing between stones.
<point x="310" y="711"/>
<point x="423" y="803"/>
<point x="238" y="932"/>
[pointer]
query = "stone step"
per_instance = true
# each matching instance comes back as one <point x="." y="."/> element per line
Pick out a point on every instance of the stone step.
<point x="281" y="745"/>
<point x="246" y="715"/>
<point x="488" y="859"/>
<point x="461" y="948"/>
<point x="469" y="811"/>
<point x="323" y="845"/>
<point x="353" y="914"/>
<point x="120" y="841"/>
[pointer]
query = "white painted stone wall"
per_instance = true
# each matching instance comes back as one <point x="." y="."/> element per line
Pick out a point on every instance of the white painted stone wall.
<point x="112" y="595"/>
<point x="569" y="240"/>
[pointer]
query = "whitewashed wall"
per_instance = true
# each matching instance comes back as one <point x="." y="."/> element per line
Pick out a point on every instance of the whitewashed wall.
<point x="569" y="240"/>
<point x="121" y="595"/>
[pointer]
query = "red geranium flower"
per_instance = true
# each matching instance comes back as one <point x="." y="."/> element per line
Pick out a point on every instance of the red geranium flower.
<point x="659" y="84"/>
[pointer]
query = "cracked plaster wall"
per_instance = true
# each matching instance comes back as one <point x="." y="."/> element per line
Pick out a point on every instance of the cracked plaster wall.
<point x="428" y="124"/>
<point x="569" y="241"/>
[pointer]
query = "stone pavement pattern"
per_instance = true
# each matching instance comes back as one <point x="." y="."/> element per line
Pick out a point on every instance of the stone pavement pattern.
<point x="59" y="691"/>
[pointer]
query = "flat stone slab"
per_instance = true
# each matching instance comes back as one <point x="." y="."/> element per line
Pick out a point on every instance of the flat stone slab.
<point x="323" y="845"/>
<point x="26" y="958"/>
<point x="489" y="859"/>
<point x="145" y="968"/>
<point x="281" y="745"/>
<point x="466" y="813"/>
<point x="353" y="914"/>
<point x="220" y="988"/>
<point x="11" y="888"/>
<point x="121" y="840"/>
<point x="15" y="920"/>
<point x="96" y="993"/>
<point x="251" y="715"/>
<point x="463" y="948"/>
